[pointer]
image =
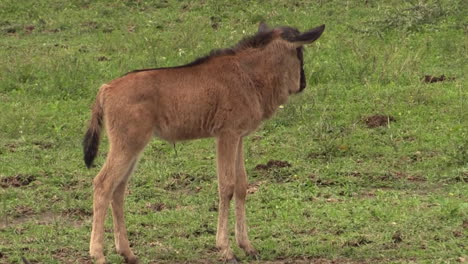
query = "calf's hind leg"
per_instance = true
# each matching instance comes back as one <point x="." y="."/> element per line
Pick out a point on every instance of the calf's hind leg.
<point x="109" y="185"/>
<point x="120" y="232"/>
<point x="110" y="176"/>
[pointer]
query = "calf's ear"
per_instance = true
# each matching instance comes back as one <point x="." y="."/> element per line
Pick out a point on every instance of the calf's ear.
<point x="308" y="36"/>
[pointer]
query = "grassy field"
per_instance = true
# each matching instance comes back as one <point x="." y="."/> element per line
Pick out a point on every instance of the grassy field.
<point x="359" y="189"/>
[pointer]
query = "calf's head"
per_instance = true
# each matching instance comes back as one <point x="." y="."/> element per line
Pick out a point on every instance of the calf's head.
<point x="290" y="43"/>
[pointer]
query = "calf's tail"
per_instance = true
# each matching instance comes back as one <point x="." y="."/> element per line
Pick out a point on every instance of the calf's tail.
<point x="92" y="136"/>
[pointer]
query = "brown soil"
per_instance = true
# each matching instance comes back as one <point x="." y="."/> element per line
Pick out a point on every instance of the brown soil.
<point x="433" y="79"/>
<point x="180" y="181"/>
<point x="23" y="210"/>
<point x="17" y="180"/>
<point x="29" y="29"/>
<point x="215" y="22"/>
<point x="11" y="147"/>
<point x="358" y="242"/>
<point x="404" y="176"/>
<point x="254" y="186"/>
<point x="65" y="255"/>
<point x="157" y="207"/>
<point x="378" y="120"/>
<point x="80" y="212"/>
<point x="54" y="30"/>
<point x="463" y="177"/>
<point x="204" y="229"/>
<point x="416" y="178"/>
<point x="397" y="237"/>
<point x="213" y="207"/>
<point x="298" y="260"/>
<point x="90" y="24"/>
<point x="102" y="58"/>
<point x="43" y="145"/>
<point x="273" y="164"/>
<point x="307" y="260"/>
<point x="322" y="182"/>
<point x="44" y="218"/>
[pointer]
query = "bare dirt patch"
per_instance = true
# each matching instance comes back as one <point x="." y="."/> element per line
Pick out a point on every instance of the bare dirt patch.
<point x="457" y="233"/>
<point x="271" y="164"/>
<point x="283" y="260"/>
<point x="397" y="237"/>
<point x="367" y="194"/>
<point x="53" y="30"/>
<point x="180" y="180"/>
<point x="203" y="229"/>
<point x="103" y="58"/>
<point x="254" y="186"/>
<point x="185" y="182"/>
<point x="463" y="177"/>
<point x="11" y="147"/>
<point x="90" y="25"/>
<point x="131" y="28"/>
<point x="29" y="29"/>
<point x="67" y="255"/>
<point x="399" y="175"/>
<point x="43" y="145"/>
<point x="416" y="178"/>
<point x="23" y="210"/>
<point x="357" y="242"/>
<point x="322" y="182"/>
<point x="215" y="21"/>
<point x="433" y="79"/>
<point x="378" y="120"/>
<point x="308" y="260"/>
<point x="213" y="207"/>
<point x="17" y="181"/>
<point x="157" y="207"/>
<point x="44" y="218"/>
<point x="79" y="212"/>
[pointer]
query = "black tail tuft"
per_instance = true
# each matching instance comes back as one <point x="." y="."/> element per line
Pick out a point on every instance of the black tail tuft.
<point x="91" y="139"/>
<point x="90" y="147"/>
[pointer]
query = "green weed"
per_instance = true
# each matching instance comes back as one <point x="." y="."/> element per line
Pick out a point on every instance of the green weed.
<point x="392" y="193"/>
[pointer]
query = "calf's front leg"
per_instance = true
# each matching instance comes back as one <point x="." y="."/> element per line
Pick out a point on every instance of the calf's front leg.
<point x="226" y="165"/>
<point x="240" y="195"/>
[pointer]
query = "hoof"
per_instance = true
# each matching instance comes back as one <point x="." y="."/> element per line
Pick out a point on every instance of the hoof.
<point x="253" y="254"/>
<point x="228" y="257"/>
<point x="131" y="260"/>
<point x="97" y="255"/>
<point x="233" y="260"/>
<point x="100" y="260"/>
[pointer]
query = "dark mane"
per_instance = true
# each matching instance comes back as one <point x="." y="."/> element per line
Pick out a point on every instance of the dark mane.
<point x="259" y="40"/>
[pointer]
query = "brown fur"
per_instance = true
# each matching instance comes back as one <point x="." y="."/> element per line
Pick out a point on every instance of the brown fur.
<point x="225" y="95"/>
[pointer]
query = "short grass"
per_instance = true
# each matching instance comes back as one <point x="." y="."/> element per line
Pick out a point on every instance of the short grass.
<point x="391" y="194"/>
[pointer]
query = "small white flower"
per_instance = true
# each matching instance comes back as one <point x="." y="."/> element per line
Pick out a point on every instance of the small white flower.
<point x="181" y="51"/>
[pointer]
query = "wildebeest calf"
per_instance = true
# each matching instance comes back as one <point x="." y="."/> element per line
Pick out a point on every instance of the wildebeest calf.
<point x="225" y="95"/>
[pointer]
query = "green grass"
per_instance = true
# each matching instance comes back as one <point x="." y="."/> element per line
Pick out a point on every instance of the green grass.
<point x="391" y="194"/>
